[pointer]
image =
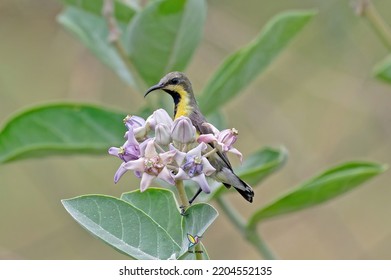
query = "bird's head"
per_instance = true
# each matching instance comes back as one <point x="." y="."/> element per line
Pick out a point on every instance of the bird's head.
<point x="173" y="83"/>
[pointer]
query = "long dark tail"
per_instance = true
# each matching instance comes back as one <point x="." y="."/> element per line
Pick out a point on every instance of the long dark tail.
<point x="244" y="190"/>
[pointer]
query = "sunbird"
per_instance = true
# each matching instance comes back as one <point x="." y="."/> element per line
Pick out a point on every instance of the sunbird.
<point x="179" y="87"/>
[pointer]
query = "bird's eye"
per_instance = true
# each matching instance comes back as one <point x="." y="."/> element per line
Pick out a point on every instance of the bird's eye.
<point x="175" y="81"/>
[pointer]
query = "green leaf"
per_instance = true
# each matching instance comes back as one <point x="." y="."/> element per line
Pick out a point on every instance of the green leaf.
<point x="163" y="37"/>
<point x="321" y="188"/>
<point x="240" y="68"/>
<point x="93" y="32"/>
<point x="123" y="226"/>
<point x="143" y="225"/>
<point x="161" y="206"/>
<point x="254" y="169"/>
<point x="123" y="10"/>
<point x="383" y="70"/>
<point x="60" y="129"/>
<point x="196" y="221"/>
<point x="261" y="164"/>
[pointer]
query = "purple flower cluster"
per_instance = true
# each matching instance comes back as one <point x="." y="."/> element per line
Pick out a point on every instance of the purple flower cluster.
<point x="159" y="147"/>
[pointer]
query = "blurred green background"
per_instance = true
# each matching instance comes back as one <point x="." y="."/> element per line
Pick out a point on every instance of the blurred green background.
<point x="318" y="99"/>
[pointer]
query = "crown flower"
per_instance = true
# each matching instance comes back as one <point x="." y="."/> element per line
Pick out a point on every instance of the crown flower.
<point x="194" y="166"/>
<point x="152" y="165"/>
<point x="222" y="139"/>
<point x="160" y="148"/>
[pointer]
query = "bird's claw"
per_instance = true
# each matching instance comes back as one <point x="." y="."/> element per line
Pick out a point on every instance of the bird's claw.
<point x="183" y="210"/>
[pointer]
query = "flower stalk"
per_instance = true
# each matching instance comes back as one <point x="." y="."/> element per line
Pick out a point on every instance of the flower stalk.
<point x="211" y="152"/>
<point x="114" y="38"/>
<point x="250" y="233"/>
<point x="182" y="195"/>
<point x="198" y="252"/>
<point x="365" y="8"/>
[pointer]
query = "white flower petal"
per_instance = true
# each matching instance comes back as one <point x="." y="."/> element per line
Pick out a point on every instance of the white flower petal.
<point x="208" y="169"/>
<point x="197" y="150"/>
<point x="130" y="136"/>
<point x="236" y="152"/>
<point x="168" y="157"/>
<point x="121" y="171"/>
<point x="114" y="151"/>
<point x="136" y="165"/>
<point x="146" y="181"/>
<point x="143" y="145"/>
<point x="179" y="156"/>
<point x="166" y="175"/>
<point x="181" y="175"/>
<point x="150" y="150"/>
<point x="201" y="181"/>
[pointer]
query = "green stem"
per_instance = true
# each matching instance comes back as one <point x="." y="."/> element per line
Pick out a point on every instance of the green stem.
<point x="210" y="152"/>
<point x="198" y="250"/>
<point x="254" y="238"/>
<point x="182" y="194"/>
<point x="140" y="84"/>
<point x="232" y="214"/>
<point x="185" y="203"/>
<point x="251" y="234"/>
<point x="367" y="9"/>
<point x="114" y="38"/>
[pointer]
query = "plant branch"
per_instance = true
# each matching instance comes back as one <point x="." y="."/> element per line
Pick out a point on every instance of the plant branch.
<point x="250" y="233"/>
<point x="114" y="39"/>
<point x="198" y="252"/>
<point x="182" y="194"/>
<point x="254" y="238"/>
<point x="185" y="204"/>
<point x="211" y="152"/>
<point x="366" y="9"/>
<point x="232" y="214"/>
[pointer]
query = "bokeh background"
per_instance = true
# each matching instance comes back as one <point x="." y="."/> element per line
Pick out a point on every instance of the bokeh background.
<point x="318" y="99"/>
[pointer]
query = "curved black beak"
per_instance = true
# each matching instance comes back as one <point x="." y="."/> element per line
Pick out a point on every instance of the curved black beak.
<point x="155" y="87"/>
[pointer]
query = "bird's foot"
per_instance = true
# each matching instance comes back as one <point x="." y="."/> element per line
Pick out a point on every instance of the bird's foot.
<point x="183" y="210"/>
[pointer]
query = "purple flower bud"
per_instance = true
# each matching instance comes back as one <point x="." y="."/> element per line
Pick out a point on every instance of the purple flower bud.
<point x="138" y="125"/>
<point x="183" y="130"/>
<point x="162" y="134"/>
<point x="134" y="122"/>
<point x="160" y="116"/>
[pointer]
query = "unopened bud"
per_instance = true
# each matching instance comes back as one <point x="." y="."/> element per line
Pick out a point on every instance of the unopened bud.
<point x="134" y="121"/>
<point x="138" y="126"/>
<point x="159" y="116"/>
<point x="162" y="134"/>
<point x="183" y="130"/>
